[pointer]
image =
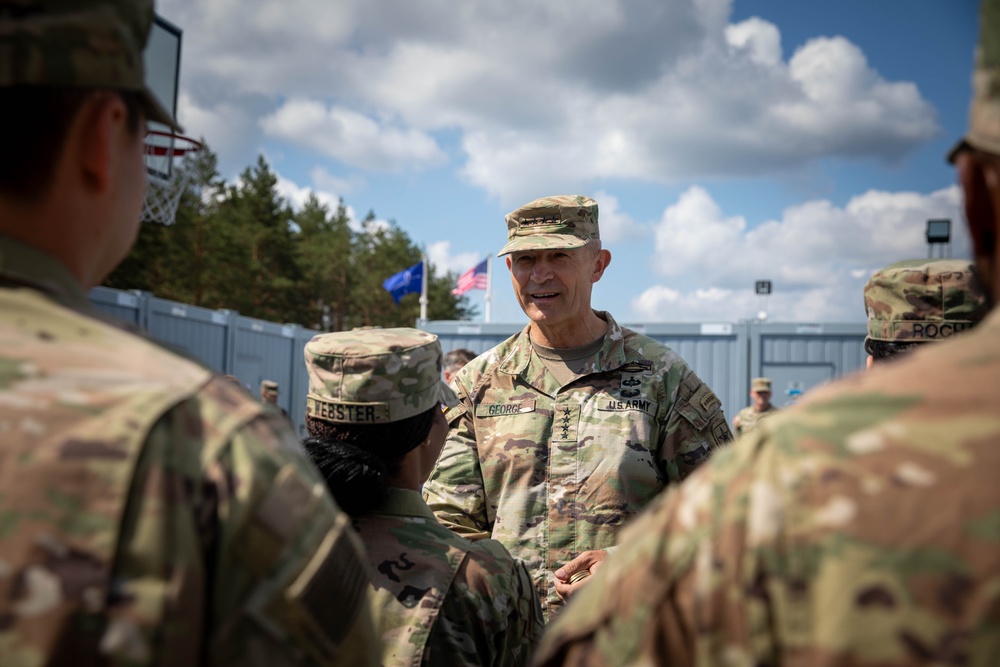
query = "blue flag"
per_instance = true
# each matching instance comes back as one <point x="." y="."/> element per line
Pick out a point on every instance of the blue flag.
<point x="405" y="282"/>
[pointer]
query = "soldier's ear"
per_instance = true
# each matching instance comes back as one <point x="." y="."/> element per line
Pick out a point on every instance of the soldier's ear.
<point x="100" y="123"/>
<point x="601" y="261"/>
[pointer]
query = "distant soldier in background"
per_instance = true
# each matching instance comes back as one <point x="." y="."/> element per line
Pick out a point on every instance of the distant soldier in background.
<point x="150" y="512"/>
<point x="760" y="407"/>
<point x="376" y="426"/>
<point x="916" y="301"/>
<point x="269" y="391"/>
<point x="860" y="527"/>
<point x="454" y="360"/>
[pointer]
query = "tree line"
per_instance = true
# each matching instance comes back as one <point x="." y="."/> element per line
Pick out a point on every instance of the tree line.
<point x="242" y="247"/>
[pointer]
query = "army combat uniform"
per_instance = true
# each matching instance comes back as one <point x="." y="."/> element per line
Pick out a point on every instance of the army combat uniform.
<point x="861" y="527"/>
<point x="440" y="599"/>
<point x="151" y="513"/>
<point x="437" y="599"/>
<point x="551" y="471"/>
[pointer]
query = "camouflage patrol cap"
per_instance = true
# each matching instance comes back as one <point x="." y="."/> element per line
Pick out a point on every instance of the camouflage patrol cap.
<point x="760" y="384"/>
<point x="562" y="221"/>
<point x="984" y="113"/>
<point x="375" y="376"/>
<point x="919" y="299"/>
<point x="79" y="44"/>
<point x="268" y="386"/>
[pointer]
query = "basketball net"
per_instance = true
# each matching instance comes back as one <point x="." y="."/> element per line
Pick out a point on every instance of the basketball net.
<point x="167" y="174"/>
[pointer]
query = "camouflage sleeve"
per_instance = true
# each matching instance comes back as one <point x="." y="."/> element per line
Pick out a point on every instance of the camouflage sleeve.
<point x="695" y="426"/>
<point x="231" y="551"/>
<point x="640" y="607"/>
<point x="455" y="491"/>
<point x="492" y="615"/>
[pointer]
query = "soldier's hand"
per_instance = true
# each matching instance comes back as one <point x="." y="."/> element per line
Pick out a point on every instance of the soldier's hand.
<point x="588" y="561"/>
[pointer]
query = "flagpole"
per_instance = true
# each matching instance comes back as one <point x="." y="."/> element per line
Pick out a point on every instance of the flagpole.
<point x="423" y="290"/>
<point x="489" y="286"/>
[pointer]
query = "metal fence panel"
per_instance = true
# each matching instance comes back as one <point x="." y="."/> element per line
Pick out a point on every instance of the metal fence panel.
<point x="266" y="351"/>
<point x="199" y="333"/>
<point x="726" y="356"/>
<point x="798" y="357"/>
<point x="125" y="306"/>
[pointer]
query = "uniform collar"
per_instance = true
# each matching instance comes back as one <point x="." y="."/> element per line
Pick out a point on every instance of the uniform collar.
<point x="612" y="353"/>
<point x="405" y="502"/>
<point x="26" y="265"/>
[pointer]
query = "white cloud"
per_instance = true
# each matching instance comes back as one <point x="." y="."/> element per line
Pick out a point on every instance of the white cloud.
<point x="297" y="195"/>
<point x="327" y="181"/>
<point x="540" y="97"/>
<point x="758" y="39"/>
<point x="818" y="255"/>
<point x="616" y="226"/>
<point x="351" y="137"/>
<point x="440" y="255"/>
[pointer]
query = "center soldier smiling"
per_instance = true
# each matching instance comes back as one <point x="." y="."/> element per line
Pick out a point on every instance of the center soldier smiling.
<point x="572" y="426"/>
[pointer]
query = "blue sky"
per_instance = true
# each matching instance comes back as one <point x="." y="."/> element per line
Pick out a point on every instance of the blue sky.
<point x="724" y="141"/>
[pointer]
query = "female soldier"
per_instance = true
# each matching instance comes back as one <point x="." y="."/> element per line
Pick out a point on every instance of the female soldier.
<point x="376" y="426"/>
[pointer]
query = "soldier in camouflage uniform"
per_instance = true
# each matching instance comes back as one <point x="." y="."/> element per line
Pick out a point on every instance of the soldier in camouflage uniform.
<point x="916" y="301"/>
<point x="376" y="425"/>
<point x="860" y="527"/>
<point x="150" y="512"/>
<point x="570" y="427"/>
<point x="747" y="418"/>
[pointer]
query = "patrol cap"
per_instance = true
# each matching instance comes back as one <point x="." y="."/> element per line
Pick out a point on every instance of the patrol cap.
<point x="984" y="112"/>
<point x="268" y="386"/>
<point x="920" y="299"/>
<point x="562" y="221"/>
<point x="79" y="44"/>
<point x="760" y="384"/>
<point x="375" y="376"/>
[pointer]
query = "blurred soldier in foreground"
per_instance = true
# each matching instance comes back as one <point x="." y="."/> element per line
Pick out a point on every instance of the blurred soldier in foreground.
<point x="454" y="360"/>
<point x="151" y="512"/>
<point x="572" y="426"/>
<point x="374" y="414"/>
<point x="916" y="301"/>
<point x="859" y="527"/>
<point x="760" y="395"/>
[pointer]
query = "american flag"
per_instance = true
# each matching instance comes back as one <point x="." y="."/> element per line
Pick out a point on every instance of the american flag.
<point x="474" y="278"/>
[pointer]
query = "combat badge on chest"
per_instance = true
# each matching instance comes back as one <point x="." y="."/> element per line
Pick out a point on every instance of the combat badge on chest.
<point x="631" y="377"/>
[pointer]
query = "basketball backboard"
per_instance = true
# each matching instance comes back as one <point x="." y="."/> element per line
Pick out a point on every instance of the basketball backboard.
<point x="165" y="150"/>
<point x="163" y="65"/>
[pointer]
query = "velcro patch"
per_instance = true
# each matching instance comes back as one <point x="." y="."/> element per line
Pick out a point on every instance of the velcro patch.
<point x="347" y="413"/>
<point x="329" y="594"/>
<point x="505" y="409"/>
<point x="612" y="404"/>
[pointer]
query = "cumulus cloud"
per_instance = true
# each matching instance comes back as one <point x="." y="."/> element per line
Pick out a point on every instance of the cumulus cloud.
<point x="350" y="137"/>
<point x="818" y="255"/>
<point x="441" y="256"/>
<point x="650" y="90"/>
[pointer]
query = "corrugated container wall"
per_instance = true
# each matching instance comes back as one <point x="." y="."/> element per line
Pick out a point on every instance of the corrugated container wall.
<point x="796" y="357"/>
<point x="225" y="341"/>
<point x="726" y="356"/>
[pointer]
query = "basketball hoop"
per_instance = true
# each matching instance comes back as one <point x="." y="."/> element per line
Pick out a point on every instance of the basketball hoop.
<point x="167" y="175"/>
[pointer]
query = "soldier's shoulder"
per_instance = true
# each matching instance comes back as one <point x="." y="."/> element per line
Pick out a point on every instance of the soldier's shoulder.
<point x="490" y="570"/>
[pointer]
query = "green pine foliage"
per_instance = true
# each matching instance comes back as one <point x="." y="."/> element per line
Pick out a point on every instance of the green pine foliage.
<point x="240" y="246"/>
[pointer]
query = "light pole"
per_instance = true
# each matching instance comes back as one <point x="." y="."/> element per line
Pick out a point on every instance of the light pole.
<point x="763" y="289"/>
<point x="939" y="233"/>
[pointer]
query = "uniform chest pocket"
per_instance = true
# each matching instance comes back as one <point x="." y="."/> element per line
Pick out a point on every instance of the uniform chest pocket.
<point x="506" y="408"/>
